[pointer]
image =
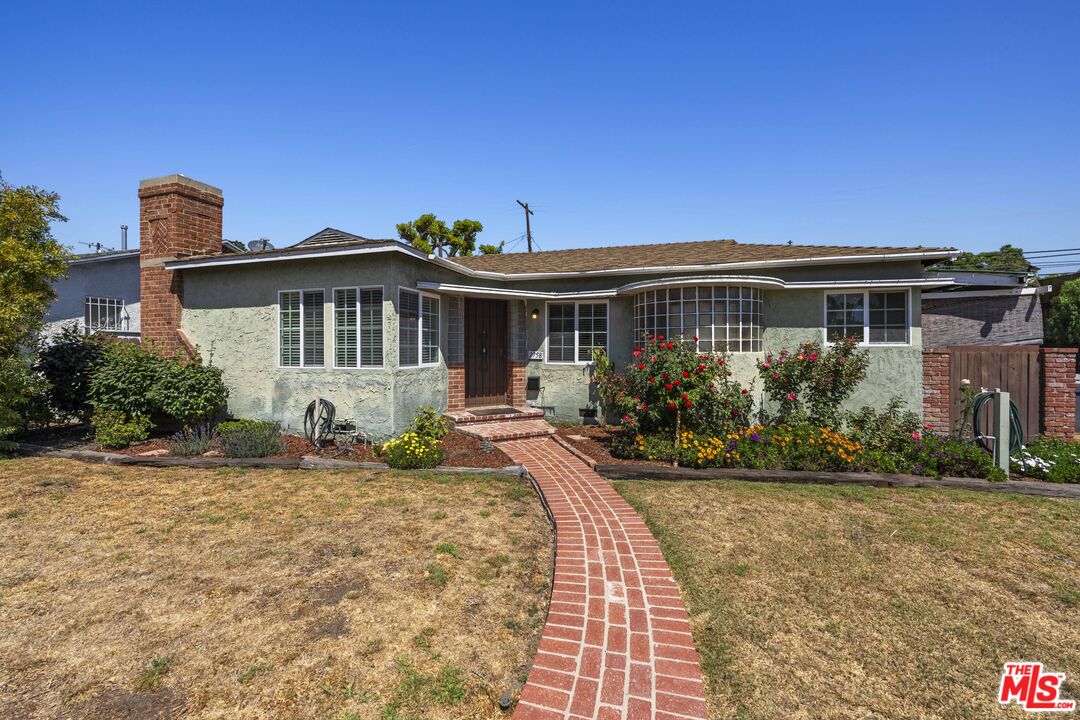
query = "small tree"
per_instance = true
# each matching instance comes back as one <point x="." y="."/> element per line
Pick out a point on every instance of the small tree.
<point x="431" y="235"/>
<point x="1063" y="322"/>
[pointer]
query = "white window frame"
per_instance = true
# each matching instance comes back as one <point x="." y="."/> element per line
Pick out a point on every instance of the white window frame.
<point x="277" y="322"/>
<point x="358" y="289"/>
<point x="98" y="302"/>
<point x="419" y="328"/>
<point x="577" y="333"/>
<point x="865" y="342"/>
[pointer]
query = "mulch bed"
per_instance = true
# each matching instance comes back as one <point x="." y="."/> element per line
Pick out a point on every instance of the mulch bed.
<point x="595" y="442"/>
<point x="461" y="450"/>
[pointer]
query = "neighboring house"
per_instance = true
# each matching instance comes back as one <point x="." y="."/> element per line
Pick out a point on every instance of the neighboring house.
<point x="379" y="327"/>
<point x="983" y="308"/>
<point x="100" y="294"/>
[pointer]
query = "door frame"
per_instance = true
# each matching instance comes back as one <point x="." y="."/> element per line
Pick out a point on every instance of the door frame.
<point x="498" y="377"/>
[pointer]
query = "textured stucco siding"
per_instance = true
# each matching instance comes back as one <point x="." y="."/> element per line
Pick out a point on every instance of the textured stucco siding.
<point x="231" y="315"/>
<point x="992" y="320"/>
<point x="790" y="317"/>
<point x="115" y="278"/>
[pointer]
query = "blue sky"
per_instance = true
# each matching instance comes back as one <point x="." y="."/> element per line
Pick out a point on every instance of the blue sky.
<point x="851" y="123"/>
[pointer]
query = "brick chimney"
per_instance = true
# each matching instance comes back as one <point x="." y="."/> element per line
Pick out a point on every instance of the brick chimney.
<point x="178" y="216"/>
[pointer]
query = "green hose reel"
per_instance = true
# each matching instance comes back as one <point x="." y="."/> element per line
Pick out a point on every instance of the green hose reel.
<point x="1016" y="426"/>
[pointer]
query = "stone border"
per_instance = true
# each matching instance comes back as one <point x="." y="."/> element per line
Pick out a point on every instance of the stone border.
<point x="307" y="462"/>
<point x="661" y="472"/>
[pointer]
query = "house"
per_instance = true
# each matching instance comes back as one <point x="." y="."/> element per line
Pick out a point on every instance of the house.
<point x="379" y="327"/>
<point x="983" y="308"/>
<point x="100" y="294"/>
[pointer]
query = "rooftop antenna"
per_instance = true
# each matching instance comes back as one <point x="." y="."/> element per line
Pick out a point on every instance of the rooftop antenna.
<point x="95" y="245"/>
<point x="528" y="229"/>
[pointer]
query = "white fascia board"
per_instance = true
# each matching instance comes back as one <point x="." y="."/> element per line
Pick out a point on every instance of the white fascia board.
<point x="989" y="292"/>
<point x="244" y="259"/>
<point x="978" y="279"/>
<point x="747" y="280"/>
<point x="854" y="284"/>
<point x="453" y="289"/>
<point x="653" y="270"/>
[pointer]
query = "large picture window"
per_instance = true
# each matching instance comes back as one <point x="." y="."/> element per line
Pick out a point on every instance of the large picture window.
<point x="418" y="328"/>
<point x="871" y="317"/>
<point x="358" y="327"/>
<point x="300" y="328"/>
<point x="574" y="329"/>
<point x="723" y="318"/>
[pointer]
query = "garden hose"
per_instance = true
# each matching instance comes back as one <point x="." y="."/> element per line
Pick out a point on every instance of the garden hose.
<point x="1016" y="426"/>
<point x="319" y="421"/>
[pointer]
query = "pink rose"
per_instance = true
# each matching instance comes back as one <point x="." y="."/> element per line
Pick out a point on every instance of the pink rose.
<point x="916" y="435"/>
<point x="791" y="396"/>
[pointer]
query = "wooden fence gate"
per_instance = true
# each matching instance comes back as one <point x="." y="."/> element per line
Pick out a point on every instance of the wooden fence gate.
<point x="1015" y="369"/>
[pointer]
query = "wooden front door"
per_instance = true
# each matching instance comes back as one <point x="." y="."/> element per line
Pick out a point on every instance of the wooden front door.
<point x="485" y="352"/>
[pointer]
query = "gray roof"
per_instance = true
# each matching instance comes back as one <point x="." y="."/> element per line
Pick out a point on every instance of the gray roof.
<point x="332" y="236"/>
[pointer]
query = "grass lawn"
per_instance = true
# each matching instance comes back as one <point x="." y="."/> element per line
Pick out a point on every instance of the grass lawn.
<point x="151" y="593"/>
<point x="850" y="602"/>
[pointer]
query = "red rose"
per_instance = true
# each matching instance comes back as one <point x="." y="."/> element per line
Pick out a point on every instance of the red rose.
<point x="745" y="391"/>
<point x="640" y="367"/>
<point x="671" y="406"/>
<point x="665" y="376"/>
<point x="668" y="386"/>
<point x="652" y="379"/>
<point x="689" y="404"/>
<point x="676" y="382"/>
<point x="660" y="338"/>
<point x="695" y="338"/>
<point x="711" y="384"/>
<point x="683" y="396"/>
<point x="685" y="374"/>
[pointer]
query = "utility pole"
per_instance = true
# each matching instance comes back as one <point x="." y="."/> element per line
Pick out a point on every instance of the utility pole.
<point x="528" y="228"/>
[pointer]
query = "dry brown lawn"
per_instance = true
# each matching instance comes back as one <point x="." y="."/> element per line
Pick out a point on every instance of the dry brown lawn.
<point x="155" y="593"/>
<point x="837" y="602"/>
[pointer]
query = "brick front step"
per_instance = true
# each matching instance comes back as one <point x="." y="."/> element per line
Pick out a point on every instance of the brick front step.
<point x="466" y="417"/>
<point x="507" y="430"/>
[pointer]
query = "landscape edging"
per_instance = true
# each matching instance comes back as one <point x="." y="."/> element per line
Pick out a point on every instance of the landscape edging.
<point x="660" y="472"/>
<point x="306" y="462"/>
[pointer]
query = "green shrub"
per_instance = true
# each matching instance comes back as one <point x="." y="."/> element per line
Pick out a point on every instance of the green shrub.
<point x="189" y="393"/>
<point x="668" y="386"/>
<point x="67" y="361"/>
<point x="134" y="380"/>
<point x="250" y="438"/>
<point x="192" y="441"/>
<point x="1049" y="459"/>
<point x="411" y="451"/>
<point x="124" y="379"/>
<point x="656" y="448"/>
<point x="429" y="422"/>
<point x="113" y="430"/>
<point x="810" y="384"/>
<point x="888" y="430"/>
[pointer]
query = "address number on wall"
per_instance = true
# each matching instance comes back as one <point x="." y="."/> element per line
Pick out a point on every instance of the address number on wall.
<point x="536" y="355"/>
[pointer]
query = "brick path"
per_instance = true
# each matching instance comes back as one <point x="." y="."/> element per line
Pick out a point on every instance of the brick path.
<point x="617" y="641"/>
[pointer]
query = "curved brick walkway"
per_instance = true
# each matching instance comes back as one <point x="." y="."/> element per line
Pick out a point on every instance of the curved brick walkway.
<point x="617" y="641"/>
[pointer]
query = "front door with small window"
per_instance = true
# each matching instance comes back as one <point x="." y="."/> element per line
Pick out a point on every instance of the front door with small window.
<point x="485" y="352"/>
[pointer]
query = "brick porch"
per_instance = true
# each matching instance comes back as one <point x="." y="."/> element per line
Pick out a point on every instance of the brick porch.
<point x="617" y="641"/>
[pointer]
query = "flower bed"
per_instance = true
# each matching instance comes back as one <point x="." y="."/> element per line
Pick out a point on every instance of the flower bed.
<point x="682" y="407"/>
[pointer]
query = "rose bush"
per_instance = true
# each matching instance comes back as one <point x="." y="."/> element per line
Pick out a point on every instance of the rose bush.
<point x="669" y="386"/>
<point x="810" y="384"/>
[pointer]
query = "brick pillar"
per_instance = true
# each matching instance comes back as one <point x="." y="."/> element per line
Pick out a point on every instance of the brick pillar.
<point x="516" y="353"/>
<point x="455" y="352"/>
<point x="1059" y="392"/>
<point x="178" y="216"/>
<point x="937" y="389"/>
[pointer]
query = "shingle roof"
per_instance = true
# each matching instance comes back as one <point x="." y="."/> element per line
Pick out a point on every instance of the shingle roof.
<point x="332" y="236"/>
<point x="707" y="252"/>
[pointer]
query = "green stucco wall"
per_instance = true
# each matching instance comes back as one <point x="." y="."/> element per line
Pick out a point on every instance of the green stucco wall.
<point x="231" y="314"/>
